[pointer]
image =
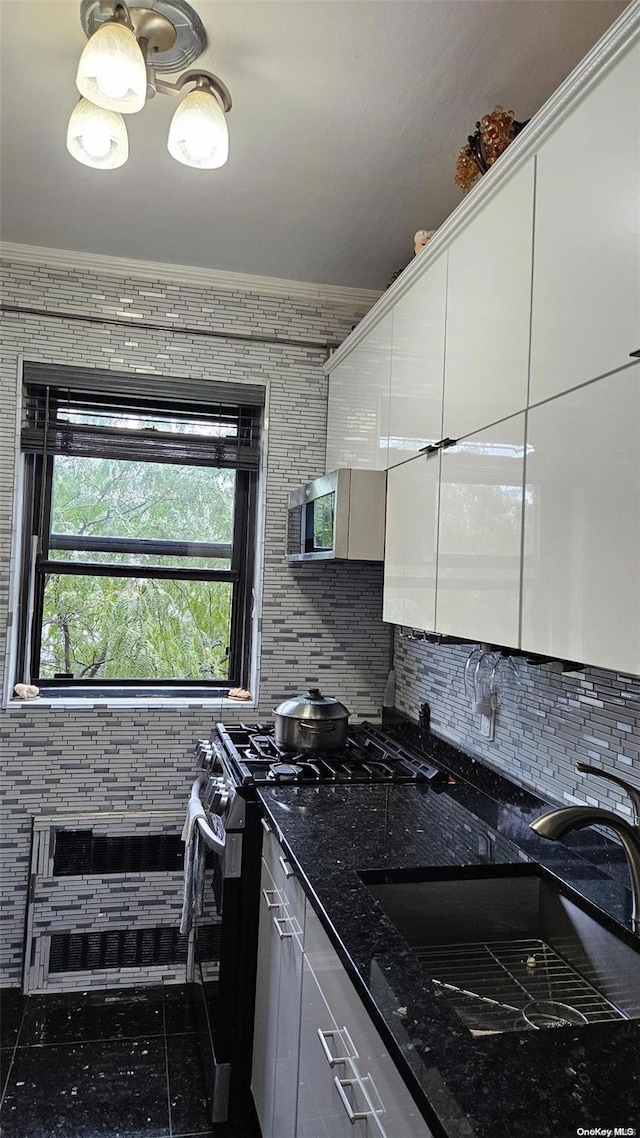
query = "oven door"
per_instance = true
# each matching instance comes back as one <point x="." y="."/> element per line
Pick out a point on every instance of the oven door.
<point x="204" y="969"/>
<point x="224" y="988"/>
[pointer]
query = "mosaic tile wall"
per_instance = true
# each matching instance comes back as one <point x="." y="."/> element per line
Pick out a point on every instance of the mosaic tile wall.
<point x="546" y="721"/>
<point x="319" y="624"/>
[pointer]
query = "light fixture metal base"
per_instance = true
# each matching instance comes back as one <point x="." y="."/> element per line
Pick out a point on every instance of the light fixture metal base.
<point x="175" y="33"/>
<point x="153" y="27"/>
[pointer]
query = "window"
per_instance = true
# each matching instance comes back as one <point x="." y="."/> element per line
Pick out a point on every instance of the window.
<point x="138" y="534"/>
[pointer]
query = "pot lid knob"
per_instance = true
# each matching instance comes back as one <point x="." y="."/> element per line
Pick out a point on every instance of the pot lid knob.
<point x="315" y="693"/>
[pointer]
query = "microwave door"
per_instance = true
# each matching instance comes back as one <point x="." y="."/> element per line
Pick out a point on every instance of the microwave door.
<point x="320" y="524"/>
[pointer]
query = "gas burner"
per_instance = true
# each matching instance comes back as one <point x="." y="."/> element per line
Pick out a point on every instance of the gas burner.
<point x="368" y="755"/>
<point x="263" y="746"/>
<point x="293" y="772"/>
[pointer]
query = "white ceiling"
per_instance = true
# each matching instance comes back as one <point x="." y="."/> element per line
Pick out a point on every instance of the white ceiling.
<point x="345" y="129"/>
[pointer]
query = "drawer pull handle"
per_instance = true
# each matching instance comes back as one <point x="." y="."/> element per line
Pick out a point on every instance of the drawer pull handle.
<point x="323" y="1036"/>
<point x="281" y="921"/>
<point x="267" y="893"/>
<point x="288" y="869"/>
<point x="265" y="826"/>
<point x="353" y="1115"/>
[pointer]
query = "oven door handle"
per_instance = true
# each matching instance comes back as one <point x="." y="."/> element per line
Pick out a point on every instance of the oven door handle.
<point x="213" y="841"/>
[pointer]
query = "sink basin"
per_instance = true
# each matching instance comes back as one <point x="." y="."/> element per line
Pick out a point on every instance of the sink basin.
<point x="511" y="947"/>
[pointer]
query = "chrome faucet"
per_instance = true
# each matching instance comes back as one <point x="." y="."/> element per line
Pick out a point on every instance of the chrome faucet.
<point x="556" y="824"/>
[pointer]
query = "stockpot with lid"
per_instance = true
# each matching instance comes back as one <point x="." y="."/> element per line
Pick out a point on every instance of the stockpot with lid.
<point x="311" y="722"/>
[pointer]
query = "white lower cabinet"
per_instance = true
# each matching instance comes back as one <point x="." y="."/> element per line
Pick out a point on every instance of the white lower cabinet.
<point x="410" y="545"/>
<point x="480" y="535"/>
<point x="278" y="992"/>
<point x="267" y="996"/>
<point x="324" y="1057"/>
<point x="369" y="1079"/>
<point x="290" y="927"/>
<point x="581" y="586"/>
<point x="320" y="1069"/>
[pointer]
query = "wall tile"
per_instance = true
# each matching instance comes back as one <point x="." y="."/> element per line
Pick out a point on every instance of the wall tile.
<point x="546" y="721"/>
<point x="319" y="624"/>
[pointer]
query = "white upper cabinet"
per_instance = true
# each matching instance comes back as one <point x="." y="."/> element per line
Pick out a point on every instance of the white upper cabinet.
<point x="358" y="416"/>
<point x="417" y="365"/>
<point x="581" y="598"/>
<point x="488" y="311"/>
<point x="480" y="534"/>
<point x="410" y="550"/>
<point x="586" y="279"/>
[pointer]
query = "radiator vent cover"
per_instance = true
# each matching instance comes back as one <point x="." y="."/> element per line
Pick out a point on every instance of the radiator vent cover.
<point x="127" y="948"/>
<point x="82" y="852"/>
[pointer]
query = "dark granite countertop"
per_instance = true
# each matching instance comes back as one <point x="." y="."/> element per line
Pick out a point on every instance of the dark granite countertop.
<point x="529" y="1084"/>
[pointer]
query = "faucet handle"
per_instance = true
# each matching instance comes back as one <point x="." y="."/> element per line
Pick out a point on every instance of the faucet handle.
<point x="632" y="791"/>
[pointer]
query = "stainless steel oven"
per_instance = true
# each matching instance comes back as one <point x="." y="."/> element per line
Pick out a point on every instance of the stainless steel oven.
<point x="232" y="766"/>
<point x="225" y="871"/>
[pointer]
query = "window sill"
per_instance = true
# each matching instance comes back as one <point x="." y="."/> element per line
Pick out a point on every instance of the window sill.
<point x="90" y="702"/>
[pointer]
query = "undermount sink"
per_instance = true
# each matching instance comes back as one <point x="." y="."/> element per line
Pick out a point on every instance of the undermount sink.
<point x="511" y="947"/>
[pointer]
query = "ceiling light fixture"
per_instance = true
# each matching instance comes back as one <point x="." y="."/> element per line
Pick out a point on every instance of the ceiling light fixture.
<point x="198" y="135"/>
<point x="112" y="72"/>
<point x="97" y="137"/>
<point x="118" y="71"/>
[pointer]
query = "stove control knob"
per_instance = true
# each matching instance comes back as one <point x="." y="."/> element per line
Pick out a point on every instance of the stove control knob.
<point x="204" y="754"/>
<point x="211" y="790"/>
<point x="219" y="801"/>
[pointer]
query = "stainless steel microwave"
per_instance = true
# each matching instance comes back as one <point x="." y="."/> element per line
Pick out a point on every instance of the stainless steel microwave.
<point x="339" y="516"/>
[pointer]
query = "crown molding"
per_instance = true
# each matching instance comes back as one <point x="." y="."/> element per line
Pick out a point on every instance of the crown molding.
<point x="619" y="39"/>
<point x="189" y="275"/>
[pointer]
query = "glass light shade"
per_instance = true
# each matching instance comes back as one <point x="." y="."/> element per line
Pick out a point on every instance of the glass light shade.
<point x="112" y="72"/>
<point x="198" y="135"/>
<point x="97" y="137"/>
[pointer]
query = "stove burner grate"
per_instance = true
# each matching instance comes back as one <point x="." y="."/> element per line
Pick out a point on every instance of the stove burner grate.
<point x="368" y="756"/>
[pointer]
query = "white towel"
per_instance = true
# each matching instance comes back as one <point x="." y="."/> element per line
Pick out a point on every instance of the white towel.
<point x="195" y="810"/>
<point x="191" y="838"/>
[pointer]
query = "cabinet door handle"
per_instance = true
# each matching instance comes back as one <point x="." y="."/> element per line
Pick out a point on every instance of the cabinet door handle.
<point x="267" y="893"/>
<point x="442" y="444"/>
<point x="353" y="1115"/>
<point x="287" y="867"/>
<point x="265" y="826"/>
<point x="332" y="1060"/>
<point x="281" y="921"/>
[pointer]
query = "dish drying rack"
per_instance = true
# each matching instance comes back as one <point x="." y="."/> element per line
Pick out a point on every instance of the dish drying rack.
<point x="490" y="984"/>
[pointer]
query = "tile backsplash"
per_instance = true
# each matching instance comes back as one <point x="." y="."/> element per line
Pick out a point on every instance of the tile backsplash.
<point x="545" y="723"/>
<point x="319" y="624"/>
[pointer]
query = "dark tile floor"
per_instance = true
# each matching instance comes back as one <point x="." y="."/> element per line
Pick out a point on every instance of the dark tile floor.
<point x="105" y="1065"/>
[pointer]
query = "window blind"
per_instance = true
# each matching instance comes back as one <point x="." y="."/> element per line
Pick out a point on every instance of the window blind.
<point x="65" y="411"/>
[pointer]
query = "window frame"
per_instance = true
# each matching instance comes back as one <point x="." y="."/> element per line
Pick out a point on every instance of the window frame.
<point x="37" y="563"/>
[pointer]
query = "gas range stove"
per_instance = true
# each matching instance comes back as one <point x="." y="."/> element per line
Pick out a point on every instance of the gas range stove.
<point x="231" y="767"/>
<point x="250" y="754"/>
